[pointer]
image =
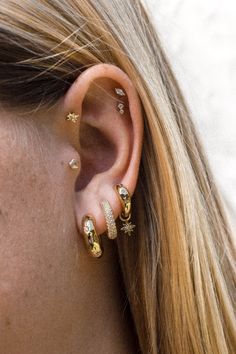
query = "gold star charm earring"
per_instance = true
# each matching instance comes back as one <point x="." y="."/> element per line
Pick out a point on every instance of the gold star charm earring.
<point x="125" y="215"/>
<point x="72" y="117"/>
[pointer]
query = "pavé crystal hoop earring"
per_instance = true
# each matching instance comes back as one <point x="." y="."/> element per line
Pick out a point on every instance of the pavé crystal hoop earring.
<point x="92" y="240"/>
<point x="110" y="220"/>
<point x="125" y="215"/>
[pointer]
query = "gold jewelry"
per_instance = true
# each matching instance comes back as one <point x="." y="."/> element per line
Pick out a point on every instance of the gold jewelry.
<point x="110" y="220"/>
<point x="121" y="107"/>
<point x="125" y="215"/>
<point x="92" y="240"/>
<point x="74" y="164"/>
<point x="72" y="117"/>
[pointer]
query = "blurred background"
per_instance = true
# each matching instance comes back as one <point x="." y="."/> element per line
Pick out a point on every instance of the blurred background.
<point x="199" y="38"/>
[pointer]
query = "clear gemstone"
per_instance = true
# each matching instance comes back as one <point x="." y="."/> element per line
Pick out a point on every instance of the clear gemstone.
<point x="119" y="92"/>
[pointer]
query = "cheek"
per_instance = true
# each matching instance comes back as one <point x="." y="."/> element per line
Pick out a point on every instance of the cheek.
<point x="38" y="250"/>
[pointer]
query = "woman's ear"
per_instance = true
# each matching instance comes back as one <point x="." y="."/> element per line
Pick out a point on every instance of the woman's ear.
<point x="110" y="133"/>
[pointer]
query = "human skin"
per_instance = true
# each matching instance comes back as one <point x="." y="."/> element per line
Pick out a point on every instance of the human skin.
<point x="55" y="297"/>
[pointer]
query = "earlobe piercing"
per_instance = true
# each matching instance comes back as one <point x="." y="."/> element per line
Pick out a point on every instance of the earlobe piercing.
<point x="72" y="117"/>
<point x="74" y="164"/>
<point x="125" y="215"/>
<point x="92" y="240"/>
<point x="110" y="220"/>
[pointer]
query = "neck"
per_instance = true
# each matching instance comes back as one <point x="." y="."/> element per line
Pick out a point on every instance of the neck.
<point x="106" y="321"/>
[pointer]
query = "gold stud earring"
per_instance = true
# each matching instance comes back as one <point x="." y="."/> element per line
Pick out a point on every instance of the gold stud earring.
<point x="92" y="240"/>
<point x="72" y="117"/>
<point x="73" y="164"/>
<point x="110" y="220"/>
<point x="125" y="215"/>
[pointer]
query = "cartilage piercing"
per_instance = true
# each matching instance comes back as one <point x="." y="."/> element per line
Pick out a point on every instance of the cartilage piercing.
<point x="119" y="91"/>
<point x="74" y="164"/>
<point x="72" y="117"/>
<point x="121" y="107"/>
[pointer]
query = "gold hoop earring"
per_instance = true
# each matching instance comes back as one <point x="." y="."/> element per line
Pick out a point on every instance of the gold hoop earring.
<point x="110" y="220"/>
<point x="92" y="240"/>
<point x="125" y="215"/>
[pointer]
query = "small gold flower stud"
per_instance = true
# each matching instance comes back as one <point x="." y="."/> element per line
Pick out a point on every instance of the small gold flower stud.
<point x="72" y="117"/>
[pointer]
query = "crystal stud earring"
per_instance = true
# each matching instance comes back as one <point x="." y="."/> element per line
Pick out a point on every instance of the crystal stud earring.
<point x="121" y="107"/>
<point x="74" y="165"/>
<point x="119" y="91"/>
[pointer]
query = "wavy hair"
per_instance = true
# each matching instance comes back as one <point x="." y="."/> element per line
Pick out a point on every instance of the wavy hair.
<point x="179" y="270"/>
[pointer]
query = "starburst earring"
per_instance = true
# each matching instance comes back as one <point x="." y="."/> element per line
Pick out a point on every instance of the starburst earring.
<point x="125" y="215"/>
<point x="72" y="117"/>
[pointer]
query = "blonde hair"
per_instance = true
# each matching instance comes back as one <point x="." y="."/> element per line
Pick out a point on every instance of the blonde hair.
<point x="179" y="269"/>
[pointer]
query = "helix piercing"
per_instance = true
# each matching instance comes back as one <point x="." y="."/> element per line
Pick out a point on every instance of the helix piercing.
<point x="92" y="240"/>
<point x="110" y="220"/>
<point x="125" y="215"/>
<point x="72" y="117"/>
<point x="121" y="107"/>
<point x="119" y="91"/>
<point x="74" y="164"/>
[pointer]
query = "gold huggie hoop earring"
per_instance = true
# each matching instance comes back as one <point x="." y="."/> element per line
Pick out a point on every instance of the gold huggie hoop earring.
<point x="72" y="117"/>
<point x="110" y="220"/>
<point x="125" y="215"/>
<point x="92" y="240"/>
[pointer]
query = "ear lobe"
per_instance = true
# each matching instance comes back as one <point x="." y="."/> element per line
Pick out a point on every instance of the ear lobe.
<point x="110" y="142"/>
